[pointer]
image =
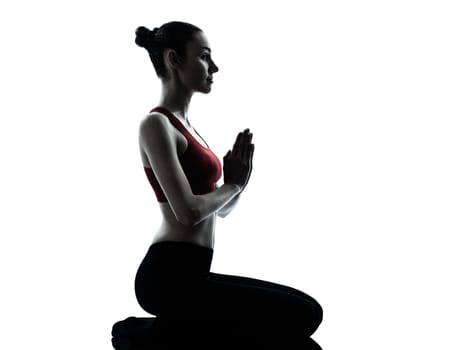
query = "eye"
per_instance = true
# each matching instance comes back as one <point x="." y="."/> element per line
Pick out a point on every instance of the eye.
<point x="205" y="55"/>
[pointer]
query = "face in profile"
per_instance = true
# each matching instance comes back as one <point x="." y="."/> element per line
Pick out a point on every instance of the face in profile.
<point x="198" y="67"/>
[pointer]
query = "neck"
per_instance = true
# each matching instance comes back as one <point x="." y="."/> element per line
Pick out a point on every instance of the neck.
<point x="177" y="99"/>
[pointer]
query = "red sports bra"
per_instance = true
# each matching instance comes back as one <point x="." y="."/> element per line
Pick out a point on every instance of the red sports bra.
<point x="201" y="166"/>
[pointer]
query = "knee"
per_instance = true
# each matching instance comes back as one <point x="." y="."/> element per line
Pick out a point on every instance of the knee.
<point x="314" y="316"/>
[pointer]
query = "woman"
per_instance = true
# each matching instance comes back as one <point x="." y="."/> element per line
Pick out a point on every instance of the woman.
<point x="174" y="281"/>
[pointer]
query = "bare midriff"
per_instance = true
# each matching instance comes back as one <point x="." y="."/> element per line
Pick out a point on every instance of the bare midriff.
<point x="172" y="230"/>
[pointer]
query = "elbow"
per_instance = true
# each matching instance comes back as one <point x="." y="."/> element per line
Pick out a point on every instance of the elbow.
<point x="185" y="212"/>
<point x="190" y="218"/>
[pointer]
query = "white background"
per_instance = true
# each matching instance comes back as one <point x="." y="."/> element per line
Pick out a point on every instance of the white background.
<point x="358" y="195"/>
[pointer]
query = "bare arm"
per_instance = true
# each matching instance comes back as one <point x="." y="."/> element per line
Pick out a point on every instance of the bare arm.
<point x="224" y="211"/>
<point x="160" y="147"/>
<point x="226" y="208"/>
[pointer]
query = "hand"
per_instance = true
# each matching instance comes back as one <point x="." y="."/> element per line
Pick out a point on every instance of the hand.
<point x="244" y="140"/>
<point x="240" y="159"/>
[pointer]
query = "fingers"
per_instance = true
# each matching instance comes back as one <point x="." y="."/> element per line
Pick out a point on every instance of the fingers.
<point x="247" y="139"/>
<point x="241" y="147"/>
<point x="251" y="152"/>
<point x="237" y="149"/>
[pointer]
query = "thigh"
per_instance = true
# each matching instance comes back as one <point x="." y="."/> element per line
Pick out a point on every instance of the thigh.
<point x="241" y="303"/>
<point x="261" y="283"/>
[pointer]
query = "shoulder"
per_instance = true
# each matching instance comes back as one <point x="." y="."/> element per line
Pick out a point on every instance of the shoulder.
<point x="154" y="124"/>
<point x="154" y="119"/>
<point x="156" y="129"/>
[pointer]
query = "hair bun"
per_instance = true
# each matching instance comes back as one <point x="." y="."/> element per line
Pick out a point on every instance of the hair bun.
<point x="144" y="37"/>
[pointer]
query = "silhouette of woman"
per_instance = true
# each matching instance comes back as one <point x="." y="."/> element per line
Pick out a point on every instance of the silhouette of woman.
<point x="173" y="281"/>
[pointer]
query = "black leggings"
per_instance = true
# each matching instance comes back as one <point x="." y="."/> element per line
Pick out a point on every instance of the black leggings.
<point x="174" y="282"/>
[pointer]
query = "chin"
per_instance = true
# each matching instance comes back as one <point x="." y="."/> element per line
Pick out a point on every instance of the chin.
<point x="208" y="86"/>
<point x="206" y="90"/>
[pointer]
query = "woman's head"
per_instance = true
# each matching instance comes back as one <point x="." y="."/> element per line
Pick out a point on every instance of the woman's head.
<point x="177" y="47"/>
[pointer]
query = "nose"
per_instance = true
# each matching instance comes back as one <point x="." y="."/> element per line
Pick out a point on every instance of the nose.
<point x="214" y="67"/>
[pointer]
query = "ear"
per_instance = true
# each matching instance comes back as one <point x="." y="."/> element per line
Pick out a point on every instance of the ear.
<point x="172" y="58"/>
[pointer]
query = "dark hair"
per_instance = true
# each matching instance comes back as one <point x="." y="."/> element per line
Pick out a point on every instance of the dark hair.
<point x="174" y="35"/>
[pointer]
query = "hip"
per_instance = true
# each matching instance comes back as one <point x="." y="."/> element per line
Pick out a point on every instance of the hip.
<point x="174" y="260"/>
<point x="171" y="271"/>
